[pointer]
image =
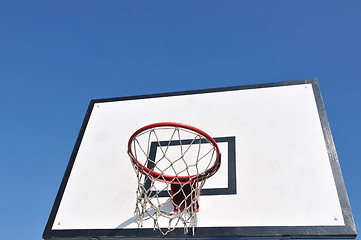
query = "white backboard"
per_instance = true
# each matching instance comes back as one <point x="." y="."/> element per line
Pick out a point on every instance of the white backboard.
<point x="279" y="176"/>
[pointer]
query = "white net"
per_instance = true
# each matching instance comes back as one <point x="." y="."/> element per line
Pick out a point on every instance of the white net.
<point x="172" y="164"/>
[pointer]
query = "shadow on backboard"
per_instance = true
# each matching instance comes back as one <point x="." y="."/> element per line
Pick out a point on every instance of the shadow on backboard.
<point x="168" y="207"/>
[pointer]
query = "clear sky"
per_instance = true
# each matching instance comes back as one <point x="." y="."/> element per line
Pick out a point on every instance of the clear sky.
<point x="57" y="56"/>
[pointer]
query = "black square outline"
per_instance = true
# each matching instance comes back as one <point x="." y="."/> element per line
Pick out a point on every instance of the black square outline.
<point x="231" y="172"/>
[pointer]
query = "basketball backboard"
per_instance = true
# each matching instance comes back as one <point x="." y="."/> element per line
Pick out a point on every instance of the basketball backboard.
<point x="279" y="178"/>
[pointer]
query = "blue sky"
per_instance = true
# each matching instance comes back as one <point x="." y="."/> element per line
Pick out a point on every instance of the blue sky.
<point x="57" y="56"/>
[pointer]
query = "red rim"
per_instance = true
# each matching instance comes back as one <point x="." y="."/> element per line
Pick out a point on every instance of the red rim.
<point x="181" y="179"/>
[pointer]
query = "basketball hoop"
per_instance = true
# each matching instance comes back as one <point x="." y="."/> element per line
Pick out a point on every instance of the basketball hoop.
<point x="172" y="162"/>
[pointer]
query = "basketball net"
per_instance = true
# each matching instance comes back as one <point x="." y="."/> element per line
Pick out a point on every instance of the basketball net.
<point x="172" y="164"/>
